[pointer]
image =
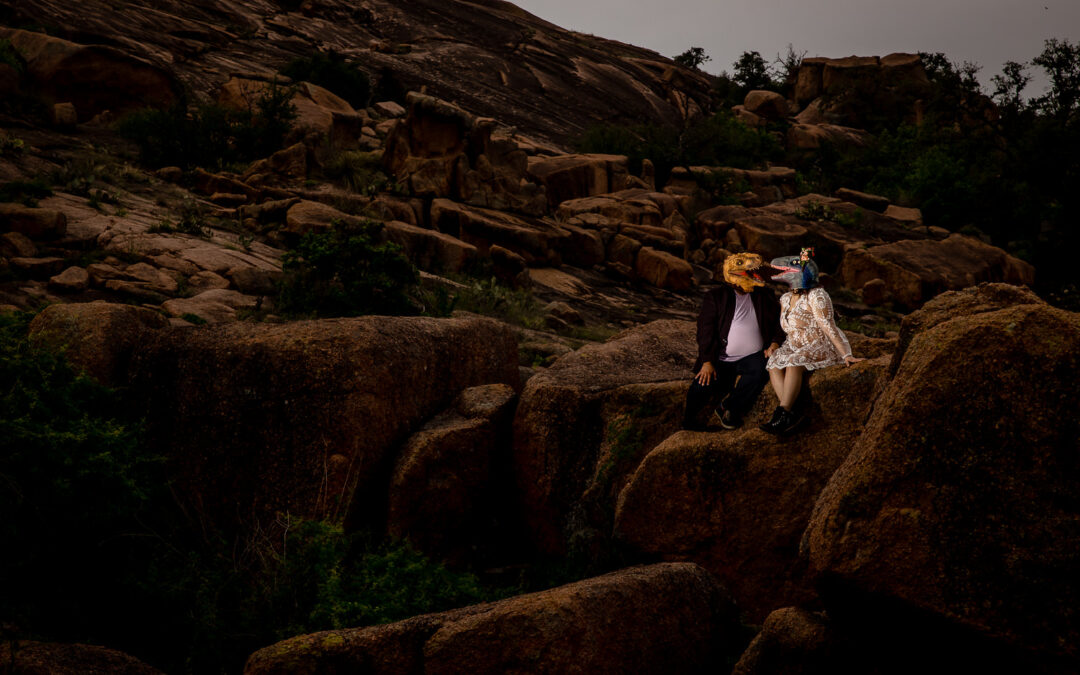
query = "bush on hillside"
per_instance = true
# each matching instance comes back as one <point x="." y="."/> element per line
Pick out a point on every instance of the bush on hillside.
<point x="331" y="71"/>
<point x="211" y="136"/>
<point x="346" y="272"/>
<point x="719" y="140"/>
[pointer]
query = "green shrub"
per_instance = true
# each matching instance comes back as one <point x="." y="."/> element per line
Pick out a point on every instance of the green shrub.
<point x="346" y="272"/>
<point x="719" y="140"/>
<point x="331" y="71"/>
<point x="11" y="146"/>
<point x="721" y="187"/>
<point x="210" y="135"/>
<point x="11" y="56"/>
<point x="73" y="483"/>
<point x="25" y="192"/>
<point x="358" y="171"/>
<point x="660" y="144"/>
<point x="490" y="298"/>
<point x="338" y="580"/>
<point x="722" y="140"/>
<point x="80" y="176"/>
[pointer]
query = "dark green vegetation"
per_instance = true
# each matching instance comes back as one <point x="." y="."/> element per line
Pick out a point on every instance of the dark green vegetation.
<point x="490" y="298"/>
<point x="97" y="550"/>
<point x="719" y="140"/>
<point x="692" y="58"/>
<point x="10" y="56"/>
<point x="751" y="72"/>
<point x="357" y="171"/>
<point x="26" y="193"/>
<point x="346" y="272"/>
<point x="331" y="71"/>
<point x="211" y="136"/>
<point x="350" y="271"/>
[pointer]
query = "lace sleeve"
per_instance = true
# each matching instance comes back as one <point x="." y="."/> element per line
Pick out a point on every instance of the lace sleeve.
<point x="821" y="306"/>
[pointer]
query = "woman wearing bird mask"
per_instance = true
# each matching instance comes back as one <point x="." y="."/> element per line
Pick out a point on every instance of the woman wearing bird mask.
<point x="813" y="339"/>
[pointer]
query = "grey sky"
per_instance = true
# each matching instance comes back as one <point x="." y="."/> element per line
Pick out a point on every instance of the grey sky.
<point x="987" y="32"/>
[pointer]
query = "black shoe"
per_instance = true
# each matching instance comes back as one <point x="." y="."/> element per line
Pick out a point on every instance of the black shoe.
<point x="773" y="425"/>
<point x="730" y="420"/>
<point x="790" y="421"/>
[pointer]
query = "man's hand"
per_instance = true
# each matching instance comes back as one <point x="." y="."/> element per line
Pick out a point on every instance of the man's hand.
<point x="706" y="374"/>
<point x="770" y="349"/>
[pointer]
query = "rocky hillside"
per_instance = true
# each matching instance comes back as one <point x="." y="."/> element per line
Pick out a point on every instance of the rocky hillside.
<point x="929" y="502"/>
<point x="490" y="57"/>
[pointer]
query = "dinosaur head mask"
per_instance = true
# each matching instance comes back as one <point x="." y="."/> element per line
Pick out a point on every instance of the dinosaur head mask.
<point x="746" y="270"/>
<point x="797" y="271"/>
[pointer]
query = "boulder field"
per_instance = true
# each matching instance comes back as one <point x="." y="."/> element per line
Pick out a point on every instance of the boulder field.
<point x="930" y="495"/>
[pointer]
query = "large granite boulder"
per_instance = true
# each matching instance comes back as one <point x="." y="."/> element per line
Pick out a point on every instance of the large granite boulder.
<point x="792" y="641"/>
<point x="637" y="206"/>
<point x="429" y="249"/>
<point x="985" y="297"/>
<point x="92" y="77"/>
<point x="658" y="618"/>
<point x="958" y="504"/>
<point x="98" y="337"/>
<point x="766" y="104"/>
<point x="34" y="223"/>
<point x="916" y="270"/>
<point x="859" y="90"/>
<point x="575" y="176"/>
<point x="737" y="502"/>
<point x="302" y="418"/>
<point x="440" y="150"/>
<point x="447" y="490"/>
<point x="26" y="657"/>
<point x="663" y="270"/>
<point x="583" y="424"/>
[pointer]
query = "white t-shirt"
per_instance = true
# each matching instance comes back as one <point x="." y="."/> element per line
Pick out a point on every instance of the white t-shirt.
<point x="744" y="337"/>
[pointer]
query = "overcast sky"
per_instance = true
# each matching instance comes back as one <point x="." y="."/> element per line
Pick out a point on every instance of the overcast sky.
<point x="987" y="32"/>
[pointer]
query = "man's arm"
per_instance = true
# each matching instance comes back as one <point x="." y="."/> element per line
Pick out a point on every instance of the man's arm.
<point x="706" y="330"/>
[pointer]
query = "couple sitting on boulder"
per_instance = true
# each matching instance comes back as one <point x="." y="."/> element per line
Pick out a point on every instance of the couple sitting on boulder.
<point x="742" y="324"/>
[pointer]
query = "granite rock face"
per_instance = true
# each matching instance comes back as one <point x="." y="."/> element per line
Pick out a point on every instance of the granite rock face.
<point x="670" y="617"/>
<point x="492" y="58"/>
<point x="958" y="501"/>
<point x="310" y="412"/>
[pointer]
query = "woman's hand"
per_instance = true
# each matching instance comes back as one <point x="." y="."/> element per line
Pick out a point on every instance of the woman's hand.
<point x="851" y="360"/>
<point x="770" y="349"/>
<point x="706" y="374"/>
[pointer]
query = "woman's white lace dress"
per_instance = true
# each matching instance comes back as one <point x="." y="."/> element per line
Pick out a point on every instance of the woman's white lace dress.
<point x="813" y="340"/>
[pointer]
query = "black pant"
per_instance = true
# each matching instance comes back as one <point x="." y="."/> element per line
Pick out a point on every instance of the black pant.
<point x="752" y="377"/>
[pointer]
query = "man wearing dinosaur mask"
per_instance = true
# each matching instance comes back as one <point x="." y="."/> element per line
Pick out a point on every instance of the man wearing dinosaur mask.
<point x="738" y="329"/>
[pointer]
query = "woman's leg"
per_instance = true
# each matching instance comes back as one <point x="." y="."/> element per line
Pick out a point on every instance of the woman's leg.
<point x="776" y="379"/>
<point x="792" y="383"/>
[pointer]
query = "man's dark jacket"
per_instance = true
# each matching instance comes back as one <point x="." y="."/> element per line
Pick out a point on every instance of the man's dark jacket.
<point x="714" y="322"/>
